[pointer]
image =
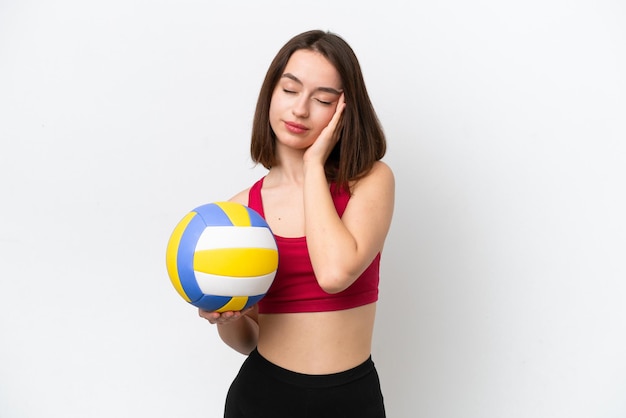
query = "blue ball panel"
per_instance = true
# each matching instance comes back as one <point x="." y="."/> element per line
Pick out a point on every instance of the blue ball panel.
<point x="252" y="300"/>
<point x="213" y="215"/>
<point x="186" y="251"/>
<point x="211" y="303"/>
<point x="255" y="218"/>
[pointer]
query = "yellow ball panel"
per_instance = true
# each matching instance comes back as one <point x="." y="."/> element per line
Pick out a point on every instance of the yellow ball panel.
<point x="237" y="213"/>
<point x="237" y="303"/>
<point x="236" y="262"/>
<point x="171" y="254"/>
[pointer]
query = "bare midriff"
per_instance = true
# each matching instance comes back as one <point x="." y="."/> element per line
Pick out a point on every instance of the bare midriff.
<point x="317" y="342"/>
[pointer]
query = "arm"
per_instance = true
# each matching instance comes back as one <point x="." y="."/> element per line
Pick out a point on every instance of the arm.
<point x="239" y="330"/>
<point x="342" y="248"/>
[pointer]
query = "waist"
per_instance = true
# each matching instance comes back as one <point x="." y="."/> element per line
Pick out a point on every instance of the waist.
<point x="317" y="342"/>
<point x="308" y="380"/>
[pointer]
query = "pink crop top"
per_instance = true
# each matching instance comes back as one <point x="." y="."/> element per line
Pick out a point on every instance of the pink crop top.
<point x="295" y="288"/>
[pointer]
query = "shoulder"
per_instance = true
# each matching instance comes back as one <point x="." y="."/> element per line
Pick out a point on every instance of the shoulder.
<point x="373" y="193"/>
<point x="370" y="209"/>
<point x="241" y="197"/>
<point x="253" y="192"/>
<point x="380" y="178"/>
<point x="381" y="168"/>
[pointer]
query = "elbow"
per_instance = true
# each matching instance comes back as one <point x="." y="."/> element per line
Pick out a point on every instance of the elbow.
<point x="333" y="283"/>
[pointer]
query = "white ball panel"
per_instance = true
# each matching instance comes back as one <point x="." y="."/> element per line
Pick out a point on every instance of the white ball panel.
<point x="215" y="237"/>
<point x="211" y="284"/>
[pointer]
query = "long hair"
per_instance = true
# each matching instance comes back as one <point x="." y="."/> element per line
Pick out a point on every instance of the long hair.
<point x="361" y="137"/>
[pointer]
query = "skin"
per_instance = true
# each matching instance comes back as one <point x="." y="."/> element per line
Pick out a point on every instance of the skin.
<point x="305" y="110"/>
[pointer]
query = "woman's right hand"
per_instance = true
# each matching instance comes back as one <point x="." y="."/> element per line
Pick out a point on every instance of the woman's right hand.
<point x="238" y="329"/>
<point x="222" y="317"/>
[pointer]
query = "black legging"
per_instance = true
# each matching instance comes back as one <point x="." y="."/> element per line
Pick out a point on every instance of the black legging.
<point x="265" y="390"/>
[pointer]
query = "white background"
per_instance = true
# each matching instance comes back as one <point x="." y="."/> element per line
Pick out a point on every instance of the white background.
<point x="503" y="282"/>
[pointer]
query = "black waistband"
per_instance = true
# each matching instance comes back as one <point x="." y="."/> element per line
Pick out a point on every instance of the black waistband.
<point x="308" y="380"/>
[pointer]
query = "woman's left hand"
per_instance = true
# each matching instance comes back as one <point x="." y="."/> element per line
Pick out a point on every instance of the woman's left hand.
<point x="328" y="138"/>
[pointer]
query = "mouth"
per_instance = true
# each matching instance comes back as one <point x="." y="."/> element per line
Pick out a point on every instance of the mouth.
<point x="295" y="128"/>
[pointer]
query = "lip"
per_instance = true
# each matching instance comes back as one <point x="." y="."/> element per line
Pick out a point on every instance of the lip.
<point x="295" y="128"/>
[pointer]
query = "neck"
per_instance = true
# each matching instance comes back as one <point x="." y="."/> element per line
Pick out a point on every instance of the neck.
<point x="285" y="174"/>
<point x="289" y="167"/>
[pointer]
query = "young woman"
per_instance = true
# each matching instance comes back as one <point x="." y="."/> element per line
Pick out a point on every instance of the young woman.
<point x="329" y="201"/>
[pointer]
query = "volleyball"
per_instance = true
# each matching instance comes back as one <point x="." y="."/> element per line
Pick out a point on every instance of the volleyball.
<point x="222" y="256"/>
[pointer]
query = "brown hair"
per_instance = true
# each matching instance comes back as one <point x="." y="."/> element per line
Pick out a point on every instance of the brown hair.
<point x="361" y="138"/>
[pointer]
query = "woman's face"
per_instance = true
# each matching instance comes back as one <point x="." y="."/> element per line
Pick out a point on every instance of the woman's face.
<point x="304" y="100"/>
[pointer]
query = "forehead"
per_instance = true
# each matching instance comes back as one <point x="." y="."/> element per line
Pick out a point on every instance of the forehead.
<point x="313" y="69"/>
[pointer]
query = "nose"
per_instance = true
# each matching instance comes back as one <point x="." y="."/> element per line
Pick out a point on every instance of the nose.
<point x="301" y="107"/>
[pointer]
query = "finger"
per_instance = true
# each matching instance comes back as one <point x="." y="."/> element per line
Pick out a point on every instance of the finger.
<point x="211" y="316"/>
<point x="333" y="125"/>
<point x="341" y="105"/>
<point x="334" y="121"/>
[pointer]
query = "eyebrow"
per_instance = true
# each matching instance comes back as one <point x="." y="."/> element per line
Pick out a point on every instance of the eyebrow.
<point x="324" y="89"/>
